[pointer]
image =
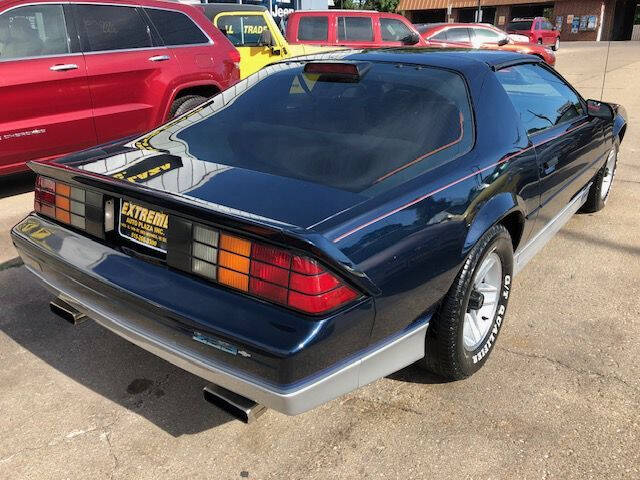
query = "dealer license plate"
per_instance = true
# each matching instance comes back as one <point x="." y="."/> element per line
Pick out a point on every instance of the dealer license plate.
<point x="144" y="225"/>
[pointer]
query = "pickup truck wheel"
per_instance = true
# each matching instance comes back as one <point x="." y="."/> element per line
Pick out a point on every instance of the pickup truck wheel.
<point x="184" y="104"/>
<point x="464" y="330"/>
<point x="601" y="188"/>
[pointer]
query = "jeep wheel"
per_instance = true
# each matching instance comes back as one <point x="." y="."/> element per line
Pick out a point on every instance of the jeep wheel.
<point x="601" y="188"/>
<point x="182" y="105"/>
<point x="465" y="328"/>
<point x="556" y="46"/>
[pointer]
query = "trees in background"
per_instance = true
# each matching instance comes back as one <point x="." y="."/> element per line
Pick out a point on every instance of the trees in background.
<point x="379" y="5"/>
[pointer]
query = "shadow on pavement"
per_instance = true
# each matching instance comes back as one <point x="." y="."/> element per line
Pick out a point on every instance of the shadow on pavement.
<point x="615" y="246"/>
<point x="16" y="184"/>
<point x="165" y="395"/>
<point x="415" y="374"/>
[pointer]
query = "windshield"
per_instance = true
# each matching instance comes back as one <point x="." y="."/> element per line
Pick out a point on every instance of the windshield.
<point x="520" y="26"/>
<point x="393" y="122"/>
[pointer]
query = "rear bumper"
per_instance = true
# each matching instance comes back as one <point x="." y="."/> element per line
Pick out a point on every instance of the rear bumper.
<point x="44" y="255"/>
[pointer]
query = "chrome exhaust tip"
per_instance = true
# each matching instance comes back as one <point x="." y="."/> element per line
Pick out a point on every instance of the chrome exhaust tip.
<point x="67" y="312"/>
<point x="240" y="407"/>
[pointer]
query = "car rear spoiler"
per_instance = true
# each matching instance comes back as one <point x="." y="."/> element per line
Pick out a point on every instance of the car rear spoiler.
<point x="286" y="235"/>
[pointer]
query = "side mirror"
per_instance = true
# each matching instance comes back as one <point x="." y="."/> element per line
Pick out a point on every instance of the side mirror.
<point x="599" y="109"/>
<point x="411" y="39"/>
<point x="503" y="41"/>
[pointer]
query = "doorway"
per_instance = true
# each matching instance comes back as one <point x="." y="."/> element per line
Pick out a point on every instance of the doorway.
<point x="528" y="11"/>
<point x="468" y="15"/>
<point x="626" y="11"/>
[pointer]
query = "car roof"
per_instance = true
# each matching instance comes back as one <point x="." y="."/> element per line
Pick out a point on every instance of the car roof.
<point x="464" y="60"/>
<point x="213" y="9"/>
<point x="336" y="10"/>
<point x="432" y="26"/>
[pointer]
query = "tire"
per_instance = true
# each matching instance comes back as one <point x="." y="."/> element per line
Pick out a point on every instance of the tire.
<point x="602" y="183"/>
<point x="539" y="41"/>
<point x="182" y="105"/>
<point x="450" y="350"/>
<point x="556" y="46"/>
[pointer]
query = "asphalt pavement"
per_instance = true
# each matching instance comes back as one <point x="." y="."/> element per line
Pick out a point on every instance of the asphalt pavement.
<point x="559" y="397"/>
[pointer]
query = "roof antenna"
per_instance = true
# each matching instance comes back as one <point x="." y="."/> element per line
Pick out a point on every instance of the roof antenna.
<point x="606" y="65"/>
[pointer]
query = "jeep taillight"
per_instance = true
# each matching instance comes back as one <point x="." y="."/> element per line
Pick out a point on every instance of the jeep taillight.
<point x="268" y="272"/>
<point x="234" y="56"/>
<point x="69" y="204"/>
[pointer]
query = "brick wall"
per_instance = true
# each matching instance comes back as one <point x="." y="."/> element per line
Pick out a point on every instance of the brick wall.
<point x="578" y="8"/>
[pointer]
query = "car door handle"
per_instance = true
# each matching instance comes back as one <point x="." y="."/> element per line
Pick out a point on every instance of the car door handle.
<point x="550" y="166"/>
<point x="63" y="67"/>
<point x="159" y="58"/>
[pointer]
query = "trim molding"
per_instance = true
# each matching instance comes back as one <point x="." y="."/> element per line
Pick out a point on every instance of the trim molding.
<point x="526" y="253"/>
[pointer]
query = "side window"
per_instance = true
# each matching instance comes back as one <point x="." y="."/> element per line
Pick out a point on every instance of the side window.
<point x="537" y="25"/>
<point x="541" y="98"/>
<point x="441" y="36"/>
<point x="393" y="30"/>
<point x="33" y="31"/>
<point x="485" y="35"/>
<point x="176" y="28"/>
<point x="243" y="30"/>
<point x="458" y="35"/>
<point x="314" y="28"/>
<point x="353" y="29"/>
<point x="112" y="28"/>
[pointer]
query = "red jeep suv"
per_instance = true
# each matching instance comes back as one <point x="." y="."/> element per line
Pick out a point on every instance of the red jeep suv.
<point x="538" y="29"/>
<point x="351" y="28"/>
<point x="75" y="75"/>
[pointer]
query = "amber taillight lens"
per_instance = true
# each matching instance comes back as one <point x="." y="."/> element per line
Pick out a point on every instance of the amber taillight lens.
<point x="269" y="272"/>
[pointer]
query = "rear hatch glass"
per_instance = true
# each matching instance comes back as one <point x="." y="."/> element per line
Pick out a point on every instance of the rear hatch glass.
<point x="519" y="26"/>
<point x="394" y="123"/>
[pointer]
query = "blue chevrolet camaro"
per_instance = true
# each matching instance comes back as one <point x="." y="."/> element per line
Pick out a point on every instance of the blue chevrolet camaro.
<point x="326" y="221"/>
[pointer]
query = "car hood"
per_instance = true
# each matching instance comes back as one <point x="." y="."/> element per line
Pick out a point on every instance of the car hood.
<point x="238" y="191"/>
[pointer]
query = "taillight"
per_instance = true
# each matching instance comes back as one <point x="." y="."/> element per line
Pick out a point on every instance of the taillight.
<point x="68" y="204"/>
<point x="234" y="56"/>
<point x="272" y="273"/>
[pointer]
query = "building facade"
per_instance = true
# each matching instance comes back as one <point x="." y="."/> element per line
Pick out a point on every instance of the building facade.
<point x="586" y="20"/>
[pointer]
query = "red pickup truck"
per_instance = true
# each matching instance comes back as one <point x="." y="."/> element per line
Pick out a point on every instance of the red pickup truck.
<point x="78" y="74"/>
<point x="351" y="28"/>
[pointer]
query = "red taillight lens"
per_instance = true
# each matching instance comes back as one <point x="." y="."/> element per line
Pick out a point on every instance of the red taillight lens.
<point x="313" y="284"/>
<point x="321" y="303"/>
<point x="234" y="56"/>
<point x="268" y="272"/>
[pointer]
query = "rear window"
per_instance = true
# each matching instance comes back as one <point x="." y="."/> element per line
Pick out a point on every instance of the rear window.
<point x="110" y="27"/>
<point x="392" y="125"/>
<point x="313" y="28"/>
<point x="520" y="26"/>
<point x="176" y="28"/>
<point x="352" y="29"/>
<point x="458" y="35"/>
<point x="244" y="30"/>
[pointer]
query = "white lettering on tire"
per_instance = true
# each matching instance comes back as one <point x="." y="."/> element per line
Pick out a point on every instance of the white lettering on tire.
<point x="499" y="316"/>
